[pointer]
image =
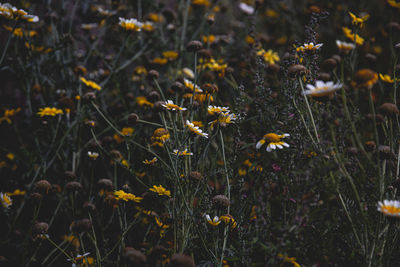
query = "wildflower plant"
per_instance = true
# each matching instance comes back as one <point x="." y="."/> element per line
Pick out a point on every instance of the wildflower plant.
<point x="197" y="132"/>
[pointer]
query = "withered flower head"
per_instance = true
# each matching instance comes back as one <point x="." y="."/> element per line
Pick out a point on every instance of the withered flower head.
<point x="221" y="201"/>
<point x="74" y="186"/>
<point x="389" y="109"/>
<point x="365" y="78"/>
<point x="133" y="118"/>
<point x="194" y="46"/>
<point x="43" y="186"/>
<point x="182" y="260"/>
<point x="296" y="70"/>
<point x="80" y="226"/>
<point x="134" y="257"/>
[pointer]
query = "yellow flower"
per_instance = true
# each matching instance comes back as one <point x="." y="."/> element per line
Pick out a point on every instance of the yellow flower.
<point x="250" y="40"/>
<point x="270" y="56"/>
<point x="130" y="24"/>
<point x="160" y="190"/>
<point x="292" y="260"/>
<point x="214" y="222"/>
<point x="354" y="37"/>
<point x="393" y="3"/>
<point x="205" y="3"/>
<point x="143" y="102"/>
<point x="356" y="21"/>
<point x="127" y="131"/>
<point x="5" y="200"/>
<point x="198" y="123"/>
<point x="390" y="208"/>
<point x="48" y="111"/>
<point x="309" y="47"/>
<point x="365" y="78"/>
<point x="170" y="55"/>
<point x="214" y="65"/>
<point x="242" y="171"/>
<point x="223" y="119"/>
<point x="11" y="12"/>
<point x="195" y="129"/>
<point x="16" y="192"/>
<point x="160" y="61"/>
<point x="121" y="195"/>
<point x="93" y="155"/>
<point x="19" y="32"/>
<point x="161" y="135"/>
<point x="150" y="162"/>
<point x="345" y="47"/>
<point x="322" y="89"/>
<point x="192" y="86"/>
<point x="386" y="78"/>
<point x="274" y="141"/>
<point x="91" y="84"/>
<point x="169" y="105"/>
<point x="160" y="223"/>
<point x="182" y="153"/>
<point x="209" y="39"/>
<point x="228" y="219"/>
<point x="213" y="110"/>
<point x="9" y="113"/>
<point x="148" y="26"/>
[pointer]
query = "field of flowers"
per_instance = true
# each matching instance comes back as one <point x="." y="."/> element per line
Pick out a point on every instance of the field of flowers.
<point x="199" y="133"/>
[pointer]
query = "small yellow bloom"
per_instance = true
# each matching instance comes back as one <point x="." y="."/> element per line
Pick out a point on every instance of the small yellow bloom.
<point x="48" y="111"/>
<point x="356" y="21"/>
<point x="269" y="56"/>
<point x="160" y="61"/>
<point x="292" y="260"/>
<point x="393" y="3"/>
<point x="9" y="113"/>
<point x="214" y="222"/>
<point x="150" y="162"/>
<point x="5" y="200"/>
<point x="208" y="39"/>
<point x="170" y="55"/>
<point x="182" y="153"/>
<point x="169" y="105"/>
<point x="143" y="102"/>
<point x="205" y="3"/>
<point x="194" y="129"/>
<point x="91" y="84"/>
<point x="160" y="190"/>
<point x="130" y="24"/>
<point x="160" y="223"/>
<point x="127" y="131"/>
<point x="228" y="219"/>
<point x="274" y="141"/>
<point x="353" y="37"/>
<point x="121" y="195"/>
<point x="387" y="79"/>
<point x="309" y="47"/>
<point x="16" y="192"/>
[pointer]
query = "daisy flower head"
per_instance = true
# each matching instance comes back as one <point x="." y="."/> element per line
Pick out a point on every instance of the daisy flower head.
<point x="194" y="129"/>
<point x="389" y="208"/>
<point x="274" y="141"/>
<point x="214" y="221"/>
<point x="212" y="110"/>
<point x="309" y="47"/>
<point x="322" y="89"/>
<point x="91" y="84"/>
<point x="5" y="200"/>
<point x="182" y="153"/>
<point x="93" y="155"/>
<point x="150" y="162"/>
<point x="192" y="86"/>
<point x="169" y="105"/>
<point x="48" y="111"/>
<point x="161" y="135"/>
<point x="160" y="190"/>
<point x="344" y="46"/>
<point x="358" y="21"/>
<point x="130" y="24"/>
<point x="223" y="119"/>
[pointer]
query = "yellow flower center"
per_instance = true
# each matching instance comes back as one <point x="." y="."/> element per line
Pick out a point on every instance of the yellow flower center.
<point x="271" y="137"/>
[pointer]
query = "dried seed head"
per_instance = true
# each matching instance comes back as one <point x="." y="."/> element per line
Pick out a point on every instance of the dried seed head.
<point x="153" y="74"/>
<point x="385" y="152"/>
<point x="297" y="69"/>
<point x="169" y="14"/>
<point x="370" y="146"/>
<point x="133" y="118"/>
<point x="195" y="176"/>
<point x="43" y="186"/>
<point x="274" y="68"/>
<point x="178" y="87"/>
<point x="74" y="186"/>
<point x="205" y="53"/>
<point x="154" y="96"/>
<point x="116" y="154"/>
<point x="69" y="175"/>
<point x="323" y="76"/>
<point x="36" y="197"/>
<point x="329" y="64"/>
<point x="182" y="260"/>
<point x="89" y="206"/>
<point x="378" y="117"/>
<point x="221" y="201"/>
<point x="194" y="46"/>
<point x="352" y="151"/>
<point x="89" y="96"/>
<point x="134" y="257"/>
<point x="370" y="57"/>
<point x="67" y="102"/>
<point x="40" y="228"/>
<point x="389" y="109"/>
<point x="337" y="58"/>
<point x="106" y="184"/>
<point x="81" y="226"/>
<point x="158" y="106"/>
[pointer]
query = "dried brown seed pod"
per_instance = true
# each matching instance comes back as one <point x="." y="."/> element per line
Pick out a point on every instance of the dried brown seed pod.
<point x="43" y="186"/>
<point x="89" y="96"/>
<point x="74" y="186"/>
<point x="133" y="118"/>
<point x="196" y="176"/>
<point x="134" y="257"/>
<point x="329" y="64"/>
<point x="194" y="46"/>
<point x="297" y="69"/>
<point x="40" y="228"/>
<point x="153" y="74"/>
<point x="69" y="175"/>
<point x="106" y="184"/>
<point x="182" y="260"/>
<point x="389" y="109"/>
<point x="81" y="226"/>
<point x="221" y="201"/>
